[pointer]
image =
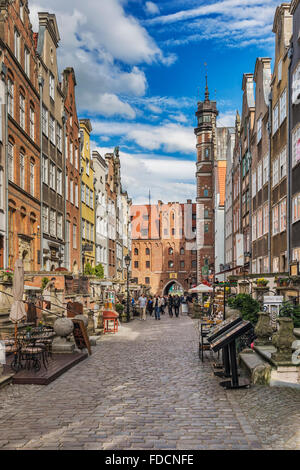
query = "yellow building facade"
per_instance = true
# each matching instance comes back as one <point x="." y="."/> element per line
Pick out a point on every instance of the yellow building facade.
<point x="87" y="196"/>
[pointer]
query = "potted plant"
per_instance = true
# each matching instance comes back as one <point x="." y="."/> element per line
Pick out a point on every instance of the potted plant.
<point x="283" y="281"/>
<point x="262" y="282"/>
<point x="120" y="309"/>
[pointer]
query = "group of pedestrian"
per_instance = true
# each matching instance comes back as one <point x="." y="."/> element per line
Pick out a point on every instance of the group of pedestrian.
<point x="158" y="304"/>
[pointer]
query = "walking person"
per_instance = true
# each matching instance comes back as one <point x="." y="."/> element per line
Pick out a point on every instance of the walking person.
<point x="157" y="307"/>
<point x="170" y="305"/>
<point x="143" y="305"/>
<point x="176" y="305"/>
<point x="150" y="306"/>
<point x="184" y="306"/>
<point x="163" y="304"/>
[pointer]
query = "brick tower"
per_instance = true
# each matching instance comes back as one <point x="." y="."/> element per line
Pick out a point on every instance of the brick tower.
<point x="206" y="150"/>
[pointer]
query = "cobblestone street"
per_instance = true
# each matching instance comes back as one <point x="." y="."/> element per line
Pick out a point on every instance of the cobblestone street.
<point x="145" y="388"/>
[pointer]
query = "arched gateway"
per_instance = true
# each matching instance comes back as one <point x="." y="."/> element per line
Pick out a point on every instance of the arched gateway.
<point x="173" y="287"/>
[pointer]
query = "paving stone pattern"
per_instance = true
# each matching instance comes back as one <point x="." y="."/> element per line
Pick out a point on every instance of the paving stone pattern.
<point x="145" y="388"/>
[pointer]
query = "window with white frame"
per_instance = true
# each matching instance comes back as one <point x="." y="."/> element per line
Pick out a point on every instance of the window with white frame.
<point x="32" y="178"/>
<point x="10" y="154"/>
<point x="52" y="175"/>
<point x="87" y="169"/>
<point x="276" y="264"/>
<point x="259" y="125"/>
<point x="282" y="164"/>
<point x="91" y="199"/>
<point x="71" y="192"/>
<point x="279" y="70"/>
<point x="10" y="91"/>
<point x="266" y="218"/>
<point x="59" y="181"/>
<point x="46" y="219"/>
<point x="296" y="254"/>
<point x="275" y="118"/>
<point x="75" y="236"/>
<point x="52" y="86"/>
<point x="296" y="86"/>
<point x="76" y="195"/>
<point x="52" y="223"/>
<point x="83" y="228"/>
<point x="87" y="195"/>
<point x="71" y="152"/>
<point x="22" y="170"/>
<point x="52" y="129"/>
<point x="254" y="232"/>
<point x="92" y="232"/>
<point x="22" y="11"/>
<point x="32" y="123"/>
<point x="59" y="137"/>
<point x="82" y="192"/>
<point x="254" y="266"/>
<point x="45" y="121"/>
<point x="17" y="45"/>
<point x="59" y="225"/>
<point x="76" y="158"/>
<point x="265" y="169"/>
<point x="66" y="146"/>
<point x="282" y="208"/>
<point x="1" y="188"/>
<point x="22" y="111"/>
<point x="275" y="172"/>
<point x="254" y="183"/>
<point x="259" y="177"/>
<point x="296" y="146"/>
<point x="266" y="264"/>
<point x="45" y="169"/>
<point x="27" y="61"/>
<point x="259" y="223"/>
<point x="283" y="106"/>
<point x="275" y="214"/>
<point x="296" y="208"/>
<point x="67" y="188"/>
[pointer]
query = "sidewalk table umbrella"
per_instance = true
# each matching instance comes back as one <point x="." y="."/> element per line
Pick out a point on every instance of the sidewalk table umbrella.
<point x="17" y="312"/>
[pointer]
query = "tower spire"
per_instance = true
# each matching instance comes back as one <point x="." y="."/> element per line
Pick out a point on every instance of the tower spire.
<point x="206" y="88"/>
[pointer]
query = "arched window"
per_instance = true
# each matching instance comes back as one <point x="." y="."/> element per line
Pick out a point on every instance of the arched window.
<point x="32" y="177"/>
<point x="136" y="251"/>
<point x="182" y="251"/>
<point x="10" y="90"/>
<point x="147" y="251"/>
<point x="171" y="251"/>
<point x="171" y="264"/>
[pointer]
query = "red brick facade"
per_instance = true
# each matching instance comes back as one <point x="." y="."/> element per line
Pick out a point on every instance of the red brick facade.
<point x="23" y="134"/>
<point x="163" y="246"/>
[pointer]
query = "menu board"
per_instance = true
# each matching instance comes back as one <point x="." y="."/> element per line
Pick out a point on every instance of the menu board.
<point x="222" y="327"/>
<point x="230" y="335"/>
<point x="80" y="335"/>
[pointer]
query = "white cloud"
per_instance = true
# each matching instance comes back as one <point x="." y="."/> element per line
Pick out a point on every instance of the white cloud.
<point x="226" y="119"/>
<point x="169" y="137"/>
<point x="151" y="8"/>
<point x="238" y="23"/>
<point x="141" y="172"/>
<point x="106" y="47"/>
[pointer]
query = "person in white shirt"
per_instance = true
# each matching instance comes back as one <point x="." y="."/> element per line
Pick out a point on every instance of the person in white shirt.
<point x="143" y="305"/>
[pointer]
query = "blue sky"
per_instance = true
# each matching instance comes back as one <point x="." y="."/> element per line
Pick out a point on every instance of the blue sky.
<point x="140" y="71"/>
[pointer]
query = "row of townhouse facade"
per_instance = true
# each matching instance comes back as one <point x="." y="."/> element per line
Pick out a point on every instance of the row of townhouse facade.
<point x="51" y="195"/>
<point x="262" y="228"/>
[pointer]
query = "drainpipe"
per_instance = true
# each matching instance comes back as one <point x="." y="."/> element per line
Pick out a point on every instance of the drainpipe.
<point x="4" y="78"/>
<point x="269" y="183"/>
<point x="289" y="172"/>
<point x="41" y="86"/>
<point x="64" y="121"/>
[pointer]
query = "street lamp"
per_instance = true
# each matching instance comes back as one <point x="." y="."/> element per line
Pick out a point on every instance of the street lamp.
<point x="127" y="264"/>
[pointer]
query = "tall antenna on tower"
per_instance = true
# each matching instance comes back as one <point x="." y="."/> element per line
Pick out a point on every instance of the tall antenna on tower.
<point x="149" y="197"/>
